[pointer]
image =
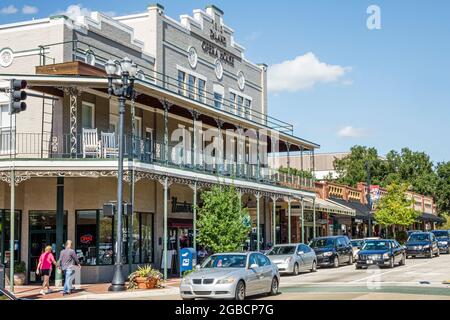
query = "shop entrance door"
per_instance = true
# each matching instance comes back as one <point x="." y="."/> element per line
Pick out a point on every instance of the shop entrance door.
<point x="179" y="238"/>
<point x="42" y="233"/>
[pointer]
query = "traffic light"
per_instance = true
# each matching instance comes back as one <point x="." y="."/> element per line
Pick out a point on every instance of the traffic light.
<point x="17" y="96"/>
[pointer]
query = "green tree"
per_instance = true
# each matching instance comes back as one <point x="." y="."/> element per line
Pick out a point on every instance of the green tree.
<point x="442" y="193"/>
<point x="414" y="168"/>
<point x="352" y="169"/>
<point x="222" y="222"/>
<point x="394" y="209"/>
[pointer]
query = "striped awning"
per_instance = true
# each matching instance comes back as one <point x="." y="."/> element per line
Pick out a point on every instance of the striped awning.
<point x="328" y="206"/>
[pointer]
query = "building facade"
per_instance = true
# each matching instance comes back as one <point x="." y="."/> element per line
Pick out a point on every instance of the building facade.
<point x="199" y="119"/>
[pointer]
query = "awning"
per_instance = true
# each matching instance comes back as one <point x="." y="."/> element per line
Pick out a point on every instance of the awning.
<point x="327" y="206"/>
<point x="431" y="218"/>
<point x="362" y="211"/>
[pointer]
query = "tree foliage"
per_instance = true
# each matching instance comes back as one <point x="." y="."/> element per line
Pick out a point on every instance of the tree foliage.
<point x="394" y="209"/>
<point x="443" y="188"/>
<point x="222" y="221"/>
<point x="352" y="169"/>
<point x="297" y="172"/>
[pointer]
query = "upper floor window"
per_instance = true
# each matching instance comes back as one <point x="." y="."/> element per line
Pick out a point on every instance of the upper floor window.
<point x="191" y="86"/>
<point x="218" y="100"/>
<point x="240" y="104"/>
<point x="181" y="82"/>
<point x="87" y="115"/>
<point x="248" y="108"/>
<point x="233" y="102"/>
<point x="201" y="90"/>
<point x="4" y="116"/>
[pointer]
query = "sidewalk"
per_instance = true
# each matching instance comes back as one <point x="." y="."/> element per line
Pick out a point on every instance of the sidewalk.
<point x="97" y="291"/>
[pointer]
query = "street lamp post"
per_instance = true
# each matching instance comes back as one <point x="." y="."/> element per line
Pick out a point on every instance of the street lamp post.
<point x="369" y="199"/>
<point x="124" y="91"/>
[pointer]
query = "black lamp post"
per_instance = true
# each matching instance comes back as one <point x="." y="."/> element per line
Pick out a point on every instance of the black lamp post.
<point x="125" y="71"/>
<point x="369" y="199"/>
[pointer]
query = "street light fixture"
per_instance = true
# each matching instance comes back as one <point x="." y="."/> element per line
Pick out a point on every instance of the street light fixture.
<point x="126" y="71"/>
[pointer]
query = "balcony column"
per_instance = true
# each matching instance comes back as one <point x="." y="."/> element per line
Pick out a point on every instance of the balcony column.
<point x="258" y="160"/>
<point x="166" y="105"/>
<point x="274" y="220"/>
<point x="195" y="115"/>
<point x="194" y="188"/>
<point x="289" y="201"/>
<point x="219" y="153"/>
<point x="73" y="94"/>
<point x="314" y="218"/>
<point x="59" y="225"/>
<point x="303" y="220"/>
<point x="239" y="151"/>
<point x="166" y="185"/>
<point x="258" y="222"/>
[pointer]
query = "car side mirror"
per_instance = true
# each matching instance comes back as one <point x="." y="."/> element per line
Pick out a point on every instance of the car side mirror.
<point x="254" y="266"/>
<point x="300" y="253"/>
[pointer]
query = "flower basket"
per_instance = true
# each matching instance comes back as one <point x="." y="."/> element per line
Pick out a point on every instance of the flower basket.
<point x="141" y="282"/>
<point x="145" y="278"/>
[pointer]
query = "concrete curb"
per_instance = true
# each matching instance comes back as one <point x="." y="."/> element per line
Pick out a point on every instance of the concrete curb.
<point x="125" y="295"/>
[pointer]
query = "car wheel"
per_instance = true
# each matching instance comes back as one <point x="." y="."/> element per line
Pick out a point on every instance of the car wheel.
<point x="274" y="287"/>
<point x="438" y="253"/>
<point x="336" y="262"/>
<point x="403" y="261"/>
<point x="240" y="291"/>
<point x="358" y="267"/>
<point x="295" y="270"/>
<point x="391" y="262"/>
<point x="350" y="259"/>
<point x="314" y="266"/>
<point x="431" y="254"/>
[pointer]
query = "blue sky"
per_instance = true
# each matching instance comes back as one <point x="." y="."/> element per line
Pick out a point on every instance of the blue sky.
<point x="387" y="88"/>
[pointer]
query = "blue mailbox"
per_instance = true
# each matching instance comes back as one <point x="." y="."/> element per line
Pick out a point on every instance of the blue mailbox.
<point x="188" y="259"/>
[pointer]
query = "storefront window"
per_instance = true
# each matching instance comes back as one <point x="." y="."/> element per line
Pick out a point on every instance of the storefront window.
<point x="95" y="238"/>
<point x="5" y="235"/>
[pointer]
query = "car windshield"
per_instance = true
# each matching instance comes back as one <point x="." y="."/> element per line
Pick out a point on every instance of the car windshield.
<point x="225" y="261"/>
<point x="322" y="243"/>
<point x="357" y="243"/>
<point x="419" y="237"/>
<point x="281" y="251"/>
<point x="441" y="234"/>
<point x="376" y="245"/>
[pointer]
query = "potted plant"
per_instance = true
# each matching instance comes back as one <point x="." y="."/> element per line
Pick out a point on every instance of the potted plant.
<point x="145" y="278"/>
<point x="19" y="273"/>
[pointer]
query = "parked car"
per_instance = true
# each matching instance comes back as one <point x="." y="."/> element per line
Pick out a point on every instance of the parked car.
<point x="410" y="232"/>
<point x="356" y="246"/>
<point x="231" y="276"/>
<point x="422" y="244"/>
<point x="293" y="258"/>
<point x="332" y="251"/>
<point x="443" y="238"/>
<point x="382" y="253"/>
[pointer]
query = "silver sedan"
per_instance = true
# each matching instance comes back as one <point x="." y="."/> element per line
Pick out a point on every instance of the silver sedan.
<point x="293" y="258"/>
<point x="231" y="276"/>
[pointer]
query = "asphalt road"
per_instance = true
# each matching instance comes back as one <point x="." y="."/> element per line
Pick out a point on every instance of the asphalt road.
<point x="420" y="279"/>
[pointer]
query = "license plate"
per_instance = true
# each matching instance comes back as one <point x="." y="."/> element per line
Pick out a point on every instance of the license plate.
<point x="369" y="261"/>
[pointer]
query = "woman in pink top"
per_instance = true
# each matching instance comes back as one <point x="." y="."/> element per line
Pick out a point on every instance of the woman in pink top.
<point x="44" y="268"/>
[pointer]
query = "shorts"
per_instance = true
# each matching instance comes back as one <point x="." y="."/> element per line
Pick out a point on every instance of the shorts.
<point x="45" y="272"/>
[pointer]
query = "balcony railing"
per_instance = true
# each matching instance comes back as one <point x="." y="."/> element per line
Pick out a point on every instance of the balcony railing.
<point x="46" y="146"/>
<point x="81" y="51"/>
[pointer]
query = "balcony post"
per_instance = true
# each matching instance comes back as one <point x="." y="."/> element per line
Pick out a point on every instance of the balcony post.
<point x="258" y="231"/>
<point x="303" y="220"/>
<point x="288" y="147"/>
<point x="194" y="188"/>
<point x="258" y="160"/>
<point x="73" y="94"/>
<point x="195" y="116"/>
<point x="166" y="186"/>
<point x="219" y="157"/>
<point x="314" y="217"/>
<point x="289" y="220"/>
<point x="239" y="151"/>
<point x="166" y="106"/>
<point x="274" y="227"/>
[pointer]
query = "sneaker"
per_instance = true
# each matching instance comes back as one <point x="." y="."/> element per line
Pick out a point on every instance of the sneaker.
<point x="42" y="292"/>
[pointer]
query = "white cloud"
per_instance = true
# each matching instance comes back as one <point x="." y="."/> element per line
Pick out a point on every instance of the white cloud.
<point x="9" y="10"/>
<point x="77" y="10"/>
<point x="29" y="9"/>
<point x="351" y="132"/>
<point x="304" y="72"/>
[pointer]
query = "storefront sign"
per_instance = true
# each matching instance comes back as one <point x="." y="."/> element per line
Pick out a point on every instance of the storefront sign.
<point x="358" y="221"/>
<point x="86" y="239"/>
<point x="216" y="35"/>
<point x="218" y="53"/>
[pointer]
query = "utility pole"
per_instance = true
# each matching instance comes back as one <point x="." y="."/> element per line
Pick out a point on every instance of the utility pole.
<point x="369" y="200"/>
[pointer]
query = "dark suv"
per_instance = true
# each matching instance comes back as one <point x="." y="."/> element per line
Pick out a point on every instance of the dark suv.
<point x="422" y="244"/>
<point x="332" y="251"/>
<point x="443" y="238"/>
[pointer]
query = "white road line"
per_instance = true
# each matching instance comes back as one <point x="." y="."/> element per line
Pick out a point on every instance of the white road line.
<point x="390" y="271"/>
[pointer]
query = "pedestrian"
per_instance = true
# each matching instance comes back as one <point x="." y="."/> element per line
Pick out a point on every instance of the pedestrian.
<point x="44" y="269"/>
<point x="68" y="261"/>
<point x="201" y="254"/>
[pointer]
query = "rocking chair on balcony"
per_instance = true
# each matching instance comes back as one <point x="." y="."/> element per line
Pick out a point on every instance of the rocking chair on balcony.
<point x="110" y="147"/>
<point x="91" y="144"/>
